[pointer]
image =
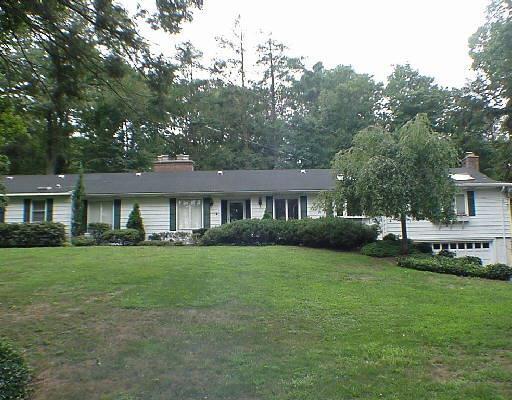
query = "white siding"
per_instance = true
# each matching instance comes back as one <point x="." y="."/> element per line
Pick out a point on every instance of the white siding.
<point x="491" y="222"/>
<point x="313" y="210"/>
<point x="154" y="212"/>
<point x="257" y="211"/>
<point x="14" y="210"/>
<point x="61" y="210"/>
<point x="215" y="212"/>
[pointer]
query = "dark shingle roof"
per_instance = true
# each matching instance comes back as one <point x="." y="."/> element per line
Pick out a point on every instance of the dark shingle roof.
<point x="191" y="182"/>
<point x="177" y="182"/>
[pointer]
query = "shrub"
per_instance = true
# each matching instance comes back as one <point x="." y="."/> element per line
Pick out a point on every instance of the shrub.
<point x="446" y="253"/>
<point x="135" y="221"/>
<point x="123" y="237"/>
<point x="457" y="266"/>
<point x="97" y="229"/>
<point x="500" y="272"/>
<point x="336" y="233"/>
<point x="393" y="248"/>
<point x="471" y="260"/>
<point x="45" y="234"/>
<point x="382" y="248"/>
<point x="14" y="374"/>
<point x="176" y="237"/>
<point x="156" y="243"/>
<point x="82" y="241"/>
<point x="390" y="237"/>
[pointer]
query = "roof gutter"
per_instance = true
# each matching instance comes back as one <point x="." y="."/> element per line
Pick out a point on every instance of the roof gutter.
<point x="487" y="184"/>
<point x="34" y="194"/>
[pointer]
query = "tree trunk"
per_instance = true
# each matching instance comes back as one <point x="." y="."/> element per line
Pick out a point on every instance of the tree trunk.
<point x="403" y="223"/>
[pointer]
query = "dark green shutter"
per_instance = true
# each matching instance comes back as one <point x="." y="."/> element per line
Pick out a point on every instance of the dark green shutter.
<point x="84" y="221"/>
<point x="303" y="207"/>
<point x="2" y="215"/>
<point x="49" y="210"/>
<point x="172" y="214"/>
<point x="248" y="209"/>
<point x="471" y="203"/>
<point x="207" y="202"/>
<point x="117" y="214"/>
<point x="269" y="206"/>
<point x="223" y="212"/>
<point x="26" y="210"/>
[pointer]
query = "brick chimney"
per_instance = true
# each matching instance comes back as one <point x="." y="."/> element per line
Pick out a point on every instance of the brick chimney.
<point x="181" y="163"/>
<point x="471" y="161"/>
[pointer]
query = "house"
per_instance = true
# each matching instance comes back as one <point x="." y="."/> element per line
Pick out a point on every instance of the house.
<point x="175" y="197"/>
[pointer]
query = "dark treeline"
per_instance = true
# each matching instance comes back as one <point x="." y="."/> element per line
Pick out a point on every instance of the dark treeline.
<point x="80" y="87"/>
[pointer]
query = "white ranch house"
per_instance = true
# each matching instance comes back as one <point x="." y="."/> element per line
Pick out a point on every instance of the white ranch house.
<point x="176" y="198"/>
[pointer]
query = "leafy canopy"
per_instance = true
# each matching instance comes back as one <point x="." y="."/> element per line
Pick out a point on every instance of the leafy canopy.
<point x="395" y="174"/>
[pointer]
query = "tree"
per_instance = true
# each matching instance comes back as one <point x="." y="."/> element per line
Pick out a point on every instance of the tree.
<point x="135" y="221"/>
<point x="402" y="174"/>
<point x="65" y="46"/>
<point x="78" y="222"/>
<point x="408" y="93"/>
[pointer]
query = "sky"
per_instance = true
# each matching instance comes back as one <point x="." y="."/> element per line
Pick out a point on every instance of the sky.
<point x="370" y="35"/>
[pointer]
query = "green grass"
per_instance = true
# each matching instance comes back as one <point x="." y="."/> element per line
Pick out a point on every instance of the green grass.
<point x="251" y="323"/>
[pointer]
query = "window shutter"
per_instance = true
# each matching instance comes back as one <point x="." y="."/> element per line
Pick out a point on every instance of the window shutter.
<point x="303" y="207"/>
<point x="117" y="214"/>
<point x="85" y="206"/>
<point x="207" y="203"/>
<point x="49" y="210"/>
<point x="223" y="212"/>
<point x="2" y="215"/>
<point x="269" y="206"/>
<point x="248" y="209"/>
<point x="172" y="214"/>
<point x="26" y="210"/>
<point x="471" y="203"/>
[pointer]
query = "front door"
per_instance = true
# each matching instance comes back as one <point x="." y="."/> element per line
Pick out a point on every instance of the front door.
<point x="236" y="210"/>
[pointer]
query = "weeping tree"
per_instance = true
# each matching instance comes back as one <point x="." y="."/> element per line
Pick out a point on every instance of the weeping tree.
<point x="400" y="175"/>
<point x="78" y="224"/>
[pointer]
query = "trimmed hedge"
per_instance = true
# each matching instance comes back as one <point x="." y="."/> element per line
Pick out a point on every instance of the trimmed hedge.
<point x="465" y="266"/>
<point x="97" y="229"/>
<point x="393" y="248"/>
<point x="82" y="241"/>
<point x="45" y="234"/>
<point x="14" y="374"/>
<point x="123" y="237"/>
<point x="334" y="233"/>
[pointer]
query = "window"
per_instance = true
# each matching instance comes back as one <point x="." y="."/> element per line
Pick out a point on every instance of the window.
<point x="453" y="246"/>
<point x="445" y="246"/>
<point x="469" y="246"/>
<point x="293" y="209"/>
<point x="286" y="209"/>
<point x="38" y="210"/>
<point x="100" y="211"/>
<point x="485" y="245"/>
<point x="461" y="246"/>
<point x="460" y="204"/>
<point x="280" y="208"/>
<point x="236" y="210"/>
<point x="478" y="245"/>
<point x="437" y="246"/>
<point x="190" y="214"/>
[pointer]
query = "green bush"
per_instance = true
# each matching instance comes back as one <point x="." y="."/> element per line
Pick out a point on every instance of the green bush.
<point x="45" y="234"/>
<point x="457" y="266"/>
<point x="14" y="374"/>
<point x="156" y="243"/>
<point x="123" y="237"/>
<point x="335" y="233"/>
<point x="82" y="241"/>
<point x="446" y="253"/>
<point x="393" y="248"/>
<point x="97" y="229"/>
<point x="391" y="237"/>
<point x="135" y="222"/>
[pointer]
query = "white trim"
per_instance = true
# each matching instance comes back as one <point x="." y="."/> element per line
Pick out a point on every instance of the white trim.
<point x="37" y="194"/>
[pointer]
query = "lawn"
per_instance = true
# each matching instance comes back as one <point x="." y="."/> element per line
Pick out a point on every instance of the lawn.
<point x="251" y="323"/>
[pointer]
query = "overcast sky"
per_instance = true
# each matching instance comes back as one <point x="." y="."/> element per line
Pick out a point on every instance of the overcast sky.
<point x="370" y="35"/>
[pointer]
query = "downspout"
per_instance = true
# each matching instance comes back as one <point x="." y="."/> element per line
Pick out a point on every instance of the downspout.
<point x="504" y="191"/>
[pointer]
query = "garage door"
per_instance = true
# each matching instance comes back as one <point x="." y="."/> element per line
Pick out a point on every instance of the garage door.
<point x="461" y="249"/>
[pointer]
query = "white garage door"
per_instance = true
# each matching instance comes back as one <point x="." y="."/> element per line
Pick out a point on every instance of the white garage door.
<point x="461" y="249"/>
